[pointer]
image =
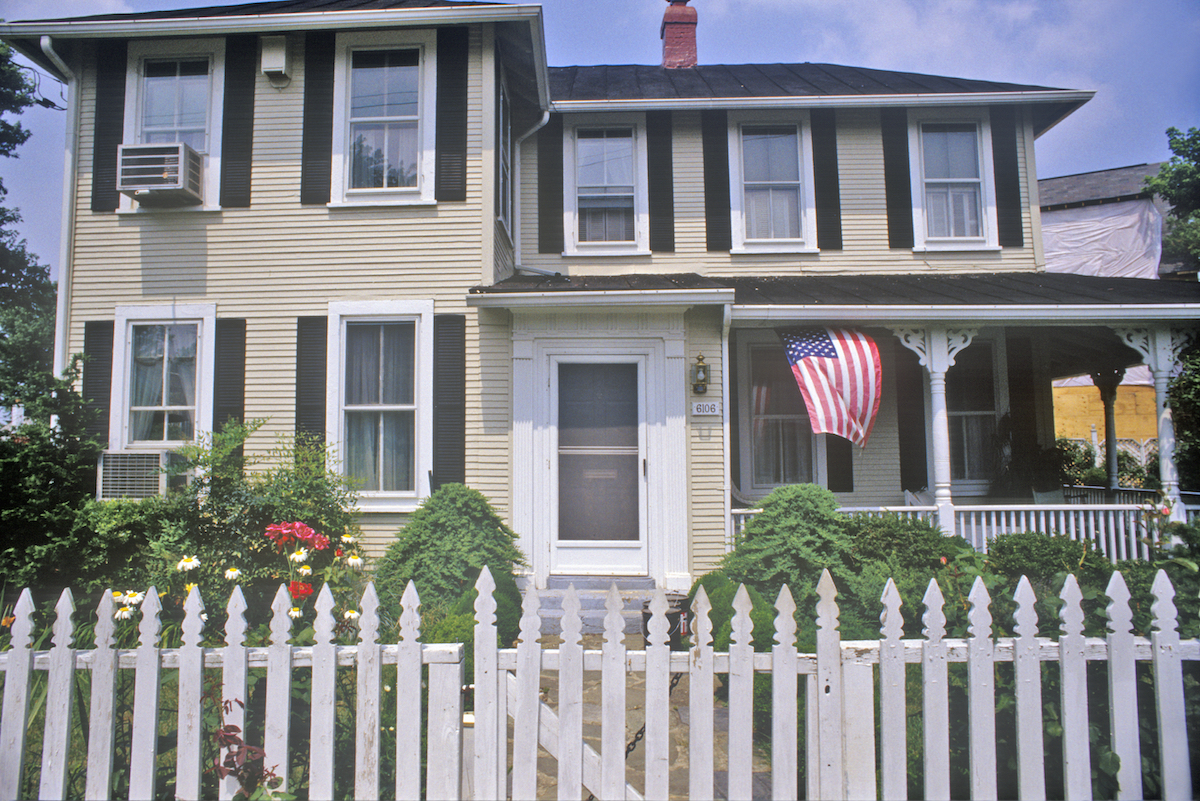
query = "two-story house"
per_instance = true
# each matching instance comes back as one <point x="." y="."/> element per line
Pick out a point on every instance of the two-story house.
<point x="393" y="227"/>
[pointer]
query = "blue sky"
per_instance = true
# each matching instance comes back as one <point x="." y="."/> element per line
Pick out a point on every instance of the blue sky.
<point x="1140" y="57"/>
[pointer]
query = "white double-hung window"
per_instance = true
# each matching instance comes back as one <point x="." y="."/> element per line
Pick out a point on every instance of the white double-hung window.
<point x="162" y="377"/>
<point x="771" y="189"/>
<point x="606" y="201"/>
<point x="954" y="204"/>
<point x="379" y="406"/>
<point x="383" y="118"/>
<point x="175" y="91"/>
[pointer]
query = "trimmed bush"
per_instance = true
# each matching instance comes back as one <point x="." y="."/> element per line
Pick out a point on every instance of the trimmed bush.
<point x="446" y="542"/>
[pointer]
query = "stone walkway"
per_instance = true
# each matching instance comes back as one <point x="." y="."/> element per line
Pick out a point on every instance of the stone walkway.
<point x="634" y="718"/>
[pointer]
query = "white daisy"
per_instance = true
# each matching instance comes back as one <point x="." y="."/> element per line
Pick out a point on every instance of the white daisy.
<point x="188" y="563"/>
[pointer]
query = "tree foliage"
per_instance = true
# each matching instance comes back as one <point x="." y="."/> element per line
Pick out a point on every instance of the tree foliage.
<point x="1178" y="182"/>
<point x="1183" y="396"/>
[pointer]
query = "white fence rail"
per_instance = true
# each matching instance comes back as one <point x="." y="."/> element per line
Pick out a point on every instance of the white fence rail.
<point x="845" y="752"/>
<point x="1114" y="530"/>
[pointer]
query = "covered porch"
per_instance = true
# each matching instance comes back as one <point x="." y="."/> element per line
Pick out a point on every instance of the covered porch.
<point x="973" y="419"/>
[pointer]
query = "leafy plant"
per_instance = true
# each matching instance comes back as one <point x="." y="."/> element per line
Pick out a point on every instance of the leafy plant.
<point x="448" y="539"/>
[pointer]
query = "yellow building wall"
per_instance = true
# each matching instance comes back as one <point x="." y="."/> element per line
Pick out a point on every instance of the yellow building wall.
<point x="1077" y="409"/>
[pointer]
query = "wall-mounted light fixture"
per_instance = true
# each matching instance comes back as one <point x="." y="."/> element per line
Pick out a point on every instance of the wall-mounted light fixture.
<point x="276" y="64"/>
<point x="699" y="376"/>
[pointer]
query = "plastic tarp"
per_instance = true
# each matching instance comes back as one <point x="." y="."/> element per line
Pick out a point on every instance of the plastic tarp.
<point x="1122" y="240"/>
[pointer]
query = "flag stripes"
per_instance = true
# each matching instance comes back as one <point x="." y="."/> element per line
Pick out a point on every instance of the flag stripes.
<point x="839" y="376"/>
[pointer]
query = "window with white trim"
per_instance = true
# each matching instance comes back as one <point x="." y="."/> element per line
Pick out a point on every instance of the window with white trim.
<point x="379" y="410"/>
<point x="383" y="143"/>
<point x="954" y="201"/>
<point x="772" y="197"/>
<point x="162" y="377"/>
<point x="976" y="399"/>
<point x="504" y="166"/>
<point x="175" y="91"/>
<point x="606" y="201"/>
<point x="776" y="443"/>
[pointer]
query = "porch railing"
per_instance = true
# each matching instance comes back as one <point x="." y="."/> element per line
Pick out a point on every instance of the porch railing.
<point x="1114" y="529"/>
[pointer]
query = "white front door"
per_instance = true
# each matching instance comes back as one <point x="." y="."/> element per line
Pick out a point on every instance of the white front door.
<point x="598" y="465"/>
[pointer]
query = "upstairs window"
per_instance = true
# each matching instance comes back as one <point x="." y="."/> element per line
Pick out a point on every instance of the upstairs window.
<point x="175" y="103"/>
<point x="175" y="94"/>
<point x="605" y="198"/>
<point x="771" y="180"/>
<point x="384" y="117"/>
<point x="771" y="190"/>
<point x="953" y="180"/>
<point x="504" y="165"/>
<point x="604" y="182"/>
<point x="383" y="122"/>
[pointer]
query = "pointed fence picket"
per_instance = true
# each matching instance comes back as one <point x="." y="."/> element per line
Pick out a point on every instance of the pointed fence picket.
<point x="845" y="753"/>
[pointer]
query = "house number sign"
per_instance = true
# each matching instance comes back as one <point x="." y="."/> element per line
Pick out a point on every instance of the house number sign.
<point x="705" y="407"/>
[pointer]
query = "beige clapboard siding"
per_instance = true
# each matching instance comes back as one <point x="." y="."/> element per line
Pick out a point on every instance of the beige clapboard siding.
<point x="489" y="465"/>
<point x="864" y="218"/>
<point x="706" y="446"/>
<point x="278" y="260"/>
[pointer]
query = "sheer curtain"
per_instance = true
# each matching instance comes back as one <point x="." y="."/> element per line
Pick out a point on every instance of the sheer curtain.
<point x="380" y="412"/>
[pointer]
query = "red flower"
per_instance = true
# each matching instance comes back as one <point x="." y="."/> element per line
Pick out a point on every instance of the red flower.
<point x="338" y="553"/>
<point x="943" y="560"/>
<point x="300" y="590"/>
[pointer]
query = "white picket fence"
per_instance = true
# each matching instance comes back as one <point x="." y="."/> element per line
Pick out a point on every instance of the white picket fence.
<point x="846" y="754"/>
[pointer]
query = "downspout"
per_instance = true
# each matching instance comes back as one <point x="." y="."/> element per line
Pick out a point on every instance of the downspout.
<point x="66" y="247"/>
<point x="517" y="206"/>
<point x="727" y="492"/>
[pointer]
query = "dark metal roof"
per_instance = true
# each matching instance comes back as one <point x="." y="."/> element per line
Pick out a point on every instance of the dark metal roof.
<point x="710" y="81"/>
<point x="984" y="289"/>
<point x="1119" y="183"/>
<point x="270" y="7"/>
<point x="640" y="282"/>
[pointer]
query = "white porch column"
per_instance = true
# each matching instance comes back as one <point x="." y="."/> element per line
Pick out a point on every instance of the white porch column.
<point x="1160" y="348"/>
<point x="936" y="348"/>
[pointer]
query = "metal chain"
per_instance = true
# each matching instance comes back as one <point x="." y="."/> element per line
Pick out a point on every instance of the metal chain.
<point x="641" y="733"/>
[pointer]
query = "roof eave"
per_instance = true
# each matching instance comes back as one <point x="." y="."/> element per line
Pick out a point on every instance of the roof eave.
<point x="1075" y="97"/>
<point x="601" y="297"/>
<point x="271" y="23"/>
<point x="1030" y="314"/>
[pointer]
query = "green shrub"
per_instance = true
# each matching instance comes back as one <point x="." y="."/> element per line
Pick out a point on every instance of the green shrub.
<point x="798" y="533"/>
<point x="446" y="542"/>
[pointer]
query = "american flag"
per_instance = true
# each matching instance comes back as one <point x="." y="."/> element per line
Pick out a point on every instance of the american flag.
<point x="839" y="376"/>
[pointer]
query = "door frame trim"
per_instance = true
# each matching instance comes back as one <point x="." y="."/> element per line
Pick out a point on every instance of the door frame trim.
<point x="658" y="336"/>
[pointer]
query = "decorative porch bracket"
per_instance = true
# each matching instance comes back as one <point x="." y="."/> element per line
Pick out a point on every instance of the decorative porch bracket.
<point x="1160" y="348"/>
<point x="936" y="349"/>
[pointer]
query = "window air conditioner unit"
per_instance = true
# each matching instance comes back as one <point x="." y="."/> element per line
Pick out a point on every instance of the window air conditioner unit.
<point x="161" y="176"/>
<point x="137" y="474"/>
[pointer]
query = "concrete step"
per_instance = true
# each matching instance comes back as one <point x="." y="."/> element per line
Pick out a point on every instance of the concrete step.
<point x="592" y="592"/>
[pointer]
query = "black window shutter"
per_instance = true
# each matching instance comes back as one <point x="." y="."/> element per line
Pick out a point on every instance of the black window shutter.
<point x="317" y="144"/>
<point x="714" y="134"/>
<point x="96" y="384"/>
<point x="550" y="186"/>
<point x="450" y="167"/>
<point x="229" y="379"/>
<point x="1008" y="179"/>
<point x="449" y="400"/>
<point x="111" y="58"/>
<point x="310" y="377"/>
<point x="896" y="177"/>
<point x="825" y="179"/>
<point x="237" y="124"/>
<point x="660" y="183"/>
<point x="839" y="462"/>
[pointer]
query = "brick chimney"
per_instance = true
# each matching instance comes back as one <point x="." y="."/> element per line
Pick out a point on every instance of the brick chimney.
<point x="678" y="35"/>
